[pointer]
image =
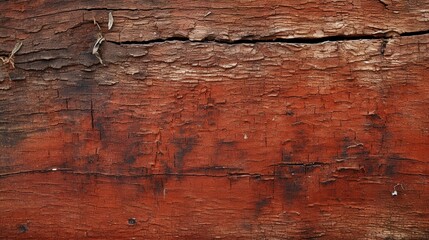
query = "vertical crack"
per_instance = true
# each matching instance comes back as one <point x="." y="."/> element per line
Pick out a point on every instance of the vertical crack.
<point x="92" y="115"/>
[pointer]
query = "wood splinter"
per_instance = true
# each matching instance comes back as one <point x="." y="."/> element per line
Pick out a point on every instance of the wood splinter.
<point x="100" y="38"/>
<point x="395" y="192"/>
<point x="96" y="23"/>
<point x="97" y="44"/>
<point x="110" y="23"/>
<point x="11" y="59"/>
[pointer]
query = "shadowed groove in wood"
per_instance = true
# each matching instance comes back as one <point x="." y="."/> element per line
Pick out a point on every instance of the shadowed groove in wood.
<point x="310" y="40"/>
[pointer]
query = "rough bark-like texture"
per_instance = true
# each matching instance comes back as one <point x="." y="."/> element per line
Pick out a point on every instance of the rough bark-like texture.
<point x="215" y="119"/>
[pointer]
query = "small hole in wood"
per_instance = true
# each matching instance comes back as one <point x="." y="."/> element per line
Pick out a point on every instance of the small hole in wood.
<point x="132" y="221"/>
<point x="22" y="228"/>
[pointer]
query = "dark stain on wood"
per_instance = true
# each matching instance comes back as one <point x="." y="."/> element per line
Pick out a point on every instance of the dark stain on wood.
<point x="292" y="189"/>
<point x="158" y="184"/>
<point x="11" y="139"/>
<point x="184" y="146"/>
<point x="260" y="205"/>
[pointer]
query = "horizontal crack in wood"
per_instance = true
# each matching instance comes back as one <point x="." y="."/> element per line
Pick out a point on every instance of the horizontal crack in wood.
<point x="305" y="40"/>
<point x="72" y="171"/>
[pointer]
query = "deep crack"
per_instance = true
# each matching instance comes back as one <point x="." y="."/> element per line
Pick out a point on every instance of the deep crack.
<point x="301" y="40"/>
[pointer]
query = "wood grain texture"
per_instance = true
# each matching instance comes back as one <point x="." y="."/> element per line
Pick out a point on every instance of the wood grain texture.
<point x="197" y="126"/>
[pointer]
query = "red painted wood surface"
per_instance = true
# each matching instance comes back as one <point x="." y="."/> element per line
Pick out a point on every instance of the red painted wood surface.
<point x="211" y="120"/>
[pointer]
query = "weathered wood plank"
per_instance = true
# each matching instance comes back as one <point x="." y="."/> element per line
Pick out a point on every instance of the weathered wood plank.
<point x="183" y="106"/>
<point x="334" y="125"/>
<point x="221" y="20"/>
<point x="78" y="205"/>
<point x="214" y="139"/>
